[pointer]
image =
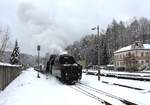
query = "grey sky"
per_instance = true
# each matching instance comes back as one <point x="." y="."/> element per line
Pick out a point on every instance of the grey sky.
<point x="56" y="23"/>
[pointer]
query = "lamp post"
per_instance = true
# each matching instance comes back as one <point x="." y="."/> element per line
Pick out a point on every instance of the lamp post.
<point x="38" y="49"/>
<point x="98" y="50"/>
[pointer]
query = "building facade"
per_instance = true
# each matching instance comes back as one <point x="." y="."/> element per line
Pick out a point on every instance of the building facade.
<point x="134" y="57"/>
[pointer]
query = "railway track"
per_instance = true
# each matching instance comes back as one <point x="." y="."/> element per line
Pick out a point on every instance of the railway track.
<point x="141" y="90"/>
<point x="77" y="88"/>
<point x="131" y="87"/>
<point x="94" y="93"/>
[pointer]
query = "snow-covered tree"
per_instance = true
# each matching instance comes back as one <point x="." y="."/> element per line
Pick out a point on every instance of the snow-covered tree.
<point x="118" y="34"/>
<point x="15" y="56"/>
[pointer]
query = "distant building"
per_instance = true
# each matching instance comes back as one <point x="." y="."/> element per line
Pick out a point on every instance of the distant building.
<point x="134" y="57"/>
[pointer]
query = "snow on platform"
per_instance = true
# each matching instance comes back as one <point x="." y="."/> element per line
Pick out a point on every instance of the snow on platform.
<point x="27" y="89"/>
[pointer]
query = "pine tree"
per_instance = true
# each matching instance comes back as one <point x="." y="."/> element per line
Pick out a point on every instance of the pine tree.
<point x="15" y="56"/>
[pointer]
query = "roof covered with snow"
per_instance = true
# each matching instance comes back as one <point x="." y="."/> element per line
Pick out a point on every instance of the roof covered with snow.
<point x="127" y="48"/>
<point x="10" y="65"/>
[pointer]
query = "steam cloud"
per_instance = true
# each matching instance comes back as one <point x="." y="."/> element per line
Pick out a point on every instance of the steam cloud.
<point x="42" y="29"/>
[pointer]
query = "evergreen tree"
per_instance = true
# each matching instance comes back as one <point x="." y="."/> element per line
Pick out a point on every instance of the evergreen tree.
<point x="15" y="56"/>
<point x="117" y="35"/>
<point x="104" y="55"/>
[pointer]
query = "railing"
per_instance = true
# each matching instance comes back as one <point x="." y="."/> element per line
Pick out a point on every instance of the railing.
<point x="8" y="73"/>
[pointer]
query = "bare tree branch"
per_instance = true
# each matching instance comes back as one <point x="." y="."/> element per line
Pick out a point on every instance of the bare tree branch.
<point x="4" y="36"/>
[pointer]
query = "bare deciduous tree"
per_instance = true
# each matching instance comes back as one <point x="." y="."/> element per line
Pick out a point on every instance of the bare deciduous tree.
<point x="4" y="38"/>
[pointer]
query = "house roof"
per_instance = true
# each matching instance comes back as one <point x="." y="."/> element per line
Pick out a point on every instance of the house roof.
<point x="146" y="46"/>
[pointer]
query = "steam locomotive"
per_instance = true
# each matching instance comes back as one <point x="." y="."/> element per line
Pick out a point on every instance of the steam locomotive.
<point x="65" y="68"/>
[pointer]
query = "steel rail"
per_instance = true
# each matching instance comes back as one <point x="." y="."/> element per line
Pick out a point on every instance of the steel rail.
<point x="125" y="101"/>
<point x="90" y="95"/>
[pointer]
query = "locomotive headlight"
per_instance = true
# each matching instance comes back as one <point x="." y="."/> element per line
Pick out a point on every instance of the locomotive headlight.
<point x="66" y="74"/>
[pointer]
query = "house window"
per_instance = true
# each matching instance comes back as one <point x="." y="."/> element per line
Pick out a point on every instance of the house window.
<point x="133" y="55"/>
<point x="118" y="63"/>
<point x="142" y="62"/>
<point x="147" y="61"/>
<point x="129" y="54"/>
<point x="123" y="55"/>
<point x="116" y="56"/>
<point x="142" y="54"/>
<point x="146" y="54"/>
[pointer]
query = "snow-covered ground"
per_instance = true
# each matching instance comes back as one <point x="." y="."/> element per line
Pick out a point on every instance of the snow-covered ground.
<point x="140" y="97"/>
<point x="27" y="89"/>
<point x="128" y="75"/>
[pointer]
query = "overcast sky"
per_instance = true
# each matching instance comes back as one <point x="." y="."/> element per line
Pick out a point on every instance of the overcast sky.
<point x="57" y="23"/>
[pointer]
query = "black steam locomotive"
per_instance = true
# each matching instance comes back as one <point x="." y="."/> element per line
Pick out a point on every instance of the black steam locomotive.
<point x="65" y="68"/>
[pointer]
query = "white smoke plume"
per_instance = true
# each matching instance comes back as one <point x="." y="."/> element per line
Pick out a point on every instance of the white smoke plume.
<point x="41" y="29"/>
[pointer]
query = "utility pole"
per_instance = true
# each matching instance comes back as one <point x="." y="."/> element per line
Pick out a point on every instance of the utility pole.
<point x="98" y="44"/>
<point x="99" y="72"/>
<point x="38" y="49"/>
<point x="98" y="50"/>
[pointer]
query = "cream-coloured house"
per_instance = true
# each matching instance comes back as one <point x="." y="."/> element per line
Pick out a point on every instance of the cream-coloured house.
<point x="135" y="56"/>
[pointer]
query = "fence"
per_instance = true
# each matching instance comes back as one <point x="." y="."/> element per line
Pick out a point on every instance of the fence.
<point x="8" y="73"/>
